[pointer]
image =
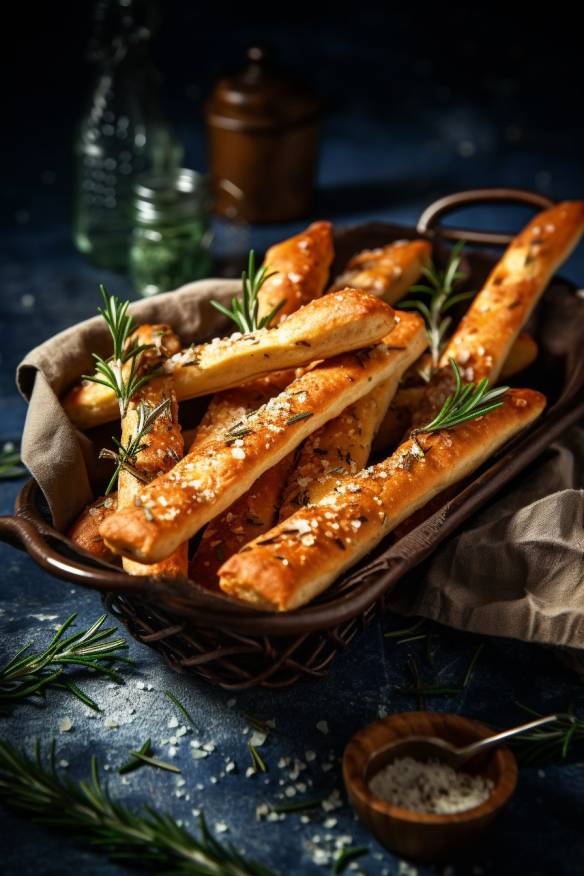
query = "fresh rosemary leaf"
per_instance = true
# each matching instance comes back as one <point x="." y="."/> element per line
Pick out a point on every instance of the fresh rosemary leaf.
<point x="182" y="709"/>
<point x="151" y="839"/>
<point x="154" y="762"/>
<point x="345" y="856"/>
<point x="552" y="742"/>
<point x="405" y="631"/>
<point x="125" y="457"/>
<point x="30" y="673"/>
<point x="469" y="672"/>
<point x="134" y="763"/>
<point x="10" y="465"/>
<point x="297" y="417"/>
<point x="467" y="402"/>
<point x="441" y="294"/>
<point x="124" y="382"/>
<point x="298" y="806"/>
<point x="256" y="759"/>
<point x="244" y="310"/>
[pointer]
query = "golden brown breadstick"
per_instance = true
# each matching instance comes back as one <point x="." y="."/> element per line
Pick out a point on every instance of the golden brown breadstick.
<point x="301" y="557"/>
<point x="342" y="445"/>
<point x="84" y="532"/>
<point x="387" y="272"/>
<point x="342" y="321"/>
<point x="207" y="481"/>
<point x="163" y="448"/>
<point x="522" y="354"/>
<point x="488" y="330"/>
<point x="302" y="264"/>
<point x="253" y="513"/>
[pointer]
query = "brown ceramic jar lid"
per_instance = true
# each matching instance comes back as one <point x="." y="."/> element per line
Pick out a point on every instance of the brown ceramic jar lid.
<point x="260" y="97"/>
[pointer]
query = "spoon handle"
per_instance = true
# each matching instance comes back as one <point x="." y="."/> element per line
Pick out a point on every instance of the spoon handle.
<point x="470" y="750"/>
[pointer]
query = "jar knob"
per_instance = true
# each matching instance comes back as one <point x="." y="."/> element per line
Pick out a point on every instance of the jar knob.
<point x="259" y="57"/>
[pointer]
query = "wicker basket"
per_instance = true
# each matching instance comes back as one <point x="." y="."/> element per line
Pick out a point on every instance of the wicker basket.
<point x="237" y="647"/>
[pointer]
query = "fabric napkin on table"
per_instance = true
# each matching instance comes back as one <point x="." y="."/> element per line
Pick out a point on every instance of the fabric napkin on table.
<point x="60" y="458"/>
<point x="516" y="569"/>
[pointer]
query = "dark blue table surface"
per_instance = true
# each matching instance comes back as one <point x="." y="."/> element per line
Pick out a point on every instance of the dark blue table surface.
<point x="369" y="169"/>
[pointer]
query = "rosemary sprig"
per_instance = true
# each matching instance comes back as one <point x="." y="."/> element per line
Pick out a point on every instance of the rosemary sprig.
<point x="346" y="855"/>
<point x="125" y="457"/>
<point x="467" y="402"/>
<point x="124" y="383"/>
<point x="134" y="763"/>
<point x="182" y="709"/>
<point x="442" y="296"/>
<point x="257" y="761"/>
<point x="33" y="787"/>
<point x="10" y="464"/>
<point x="244" y="310"/>
<point x="154" y="762"/>
<point x="297" y="806"/>
<point x="555" y="740"/>
<point x="92" y="650"/>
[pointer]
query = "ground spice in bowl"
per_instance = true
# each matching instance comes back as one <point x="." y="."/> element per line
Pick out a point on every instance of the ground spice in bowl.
<point x="430" y="786"/>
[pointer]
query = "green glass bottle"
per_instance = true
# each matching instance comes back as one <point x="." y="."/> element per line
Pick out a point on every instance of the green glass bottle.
<point x="122" y="133"/>
<point x="171" y="237"/>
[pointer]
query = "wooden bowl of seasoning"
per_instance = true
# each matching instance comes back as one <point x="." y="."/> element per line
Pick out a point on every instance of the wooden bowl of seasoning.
<point x="433" y="810"/>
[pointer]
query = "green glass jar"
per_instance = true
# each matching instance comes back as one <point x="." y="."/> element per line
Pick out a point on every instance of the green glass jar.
<point x="171" y="238"/>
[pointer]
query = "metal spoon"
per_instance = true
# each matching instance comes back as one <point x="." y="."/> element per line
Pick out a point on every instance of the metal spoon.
<point x="431" y="747"/>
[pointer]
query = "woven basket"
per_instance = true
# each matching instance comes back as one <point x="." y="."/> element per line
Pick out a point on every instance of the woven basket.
<point x="237" y="647"/>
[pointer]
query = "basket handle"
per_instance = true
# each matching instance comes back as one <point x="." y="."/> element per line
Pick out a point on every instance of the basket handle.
<point x="428" y="221"/>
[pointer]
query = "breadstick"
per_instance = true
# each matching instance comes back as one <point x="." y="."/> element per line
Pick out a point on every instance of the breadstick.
<point x="301" y="557"/>
<point x="342" y="445"/>
<point x="387" y="272"/>
<point x="163" y="448"/>
<point x="522" y="354"/>
<point x="207" y="481"/>
<point x="252" y="514"/>
<point x="302" y="264"/>
<point x="342" y="321"/>
<point x="400" y="413"/>
<point x="84" y="532"/>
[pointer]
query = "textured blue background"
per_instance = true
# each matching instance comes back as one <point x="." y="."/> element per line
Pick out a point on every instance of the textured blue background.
<point x="374" y="165"/>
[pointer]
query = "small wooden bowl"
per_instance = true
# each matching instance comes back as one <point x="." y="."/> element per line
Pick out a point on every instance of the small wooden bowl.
<point x="416" y="835"/>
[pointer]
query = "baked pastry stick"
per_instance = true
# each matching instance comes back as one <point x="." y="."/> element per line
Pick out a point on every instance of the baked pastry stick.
<point x="207" y="481"/>
<point x="408" y="398"/>
<point x="84" y="532"/>
<point x="252" y="514"/>
<point x="387" y="272"/>
<point x="342" y="446"/>
<point x="348" y="436"/>
<point x="162" y="448"/>
<point x="301" y="265"/>
<point x="485" y="335"/>
<point x="345" y="320"/>
<point x="302" y="556"/>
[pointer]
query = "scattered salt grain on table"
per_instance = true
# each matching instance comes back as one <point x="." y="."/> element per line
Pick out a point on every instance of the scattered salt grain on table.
<point x="429" y="787"/>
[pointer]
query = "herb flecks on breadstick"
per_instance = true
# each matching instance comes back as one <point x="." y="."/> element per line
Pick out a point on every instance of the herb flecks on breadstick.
<point x="207" y="482"/>
<point x="298" y="559"/>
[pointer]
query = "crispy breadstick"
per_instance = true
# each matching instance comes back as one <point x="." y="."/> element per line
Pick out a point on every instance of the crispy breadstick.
<point x="163" y="449"/>
<point x="342" y="445"/>
<point x="209" y="480"/>
<point x="522" y="354"/>
<point x="252" y="514"/>
<point x="400" y="413"/>
<point x="387" y="272"/>
<point x="84" y="532"/>
<point x="302" y="556"/>
<point x="302" y="264"/>
<point x="342" y="321"/>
